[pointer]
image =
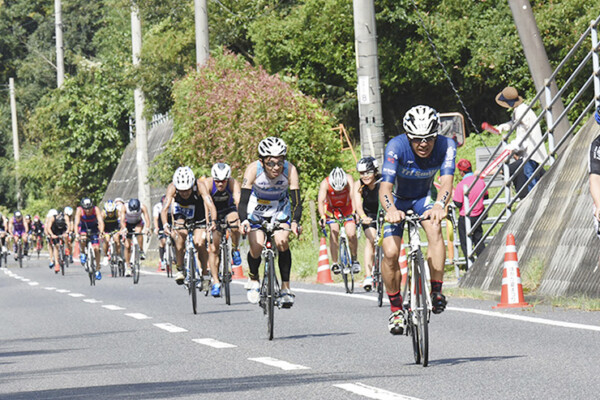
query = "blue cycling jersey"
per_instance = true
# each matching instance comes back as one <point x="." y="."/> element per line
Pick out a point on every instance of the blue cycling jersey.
<point x="412" y="176"/>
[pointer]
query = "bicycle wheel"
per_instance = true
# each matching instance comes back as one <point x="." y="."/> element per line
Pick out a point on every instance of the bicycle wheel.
<point x="136" y="265"/>
<point x="192" y="282"/>
<point x="270" y="276"/>
<point x="168" y="259"/>
<point x="226" y="273"/>
<point x="65" y="261"/>
<point x="378" y="278"/>
<point x="421" y="311"/>
<point x="20" y="255"/>
<point x="346" y="266"/>
<point x="91" y="265"/>
<point x="62" y="259"/>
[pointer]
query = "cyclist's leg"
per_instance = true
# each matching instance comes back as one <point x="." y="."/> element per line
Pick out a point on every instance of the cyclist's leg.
<point x="255" y="240"/>
<point x="334" y="234"/>
<point x="95" y="238"/>
<point x="233" y="219"/>
<point x="200" y="238"/>
<point x="213" y="256"/>
<point x="369" y="248"/>
<point x="282" y="241"/>
<point x="140" y="238"/>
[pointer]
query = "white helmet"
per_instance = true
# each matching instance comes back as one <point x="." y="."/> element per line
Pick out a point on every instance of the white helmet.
<point x="220" y="171"/>
<point x="272" y="147"/>
<point x="184" y="178"/>
<point x="68" y="211"/>
<point x="53" y="212"/>
<point x="110" y="206"/>
<point x="338" y="179"/>
<point x="421" y="122"/>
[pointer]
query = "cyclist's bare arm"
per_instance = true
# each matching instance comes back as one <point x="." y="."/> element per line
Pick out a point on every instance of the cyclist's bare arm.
<point x="386" y="199"/>
<point x="169" y="197"/>
<point x="438" y="212"/>
<point x="595" y="192"/>
<point x="358" y="202"/>
<point x="322" y="199"/>
<point x="209" y="206"/>
<point x="146" y="217"/>
<point x="236" y="189"/>
<point x="100" y="220"/>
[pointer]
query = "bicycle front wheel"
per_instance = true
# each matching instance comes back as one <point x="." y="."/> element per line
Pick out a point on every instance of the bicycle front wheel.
<point x="192" y="282"/>
<point x="20" y="255"/>
<point x="226" y="273"/>
<point x="91" y="265"/>
<point x="378" y="278"/>
<point x="136" y="266"/>
<point x="270" y="296"/>
<point x="421" y="311"/>
<point x="346" y="266"/>
<point x="63" y="259"/>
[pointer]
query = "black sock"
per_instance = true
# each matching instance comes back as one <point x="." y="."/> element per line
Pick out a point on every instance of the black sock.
<point x="253" y="264"/>
<point x="285" y="265"/>
<point x="436" y="286"/>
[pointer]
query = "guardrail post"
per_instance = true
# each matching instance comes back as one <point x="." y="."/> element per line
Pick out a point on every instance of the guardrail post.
<point x="595" y="62"/>
<point x="549" y="116"/>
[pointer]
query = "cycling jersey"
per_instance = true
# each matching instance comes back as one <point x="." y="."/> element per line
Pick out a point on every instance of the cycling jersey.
<point x="594" y="157"/>
<point x="88" y="223"/>
<point x="18" y="226"/>
<point x="190" y="208"/>
<point x="38" y="227"/>
<point x="338" y="200"/>
<point x="133" y="217"/>
<point x="270" y="197"/>
<point x="223" y="201"/>
<point x="370" y="199"/>
<point x="111" y="222"/>
<point x="59" y="225"/>
<point x="412" y="176"/>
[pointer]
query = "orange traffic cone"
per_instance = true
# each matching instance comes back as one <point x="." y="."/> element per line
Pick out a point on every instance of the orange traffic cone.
<point x="403" y="264"/>
<point x="76" y="251"/>
<point x="323" y="273"/>
<point x="512" y="289"/>
<point x="238" y="271"/>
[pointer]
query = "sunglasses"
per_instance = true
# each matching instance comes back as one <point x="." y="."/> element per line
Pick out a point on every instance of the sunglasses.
<point x="422" y="140"/>
<point x="272" y="164"/>
<point x="219" y="181"/>
<point x="367" y="173"/>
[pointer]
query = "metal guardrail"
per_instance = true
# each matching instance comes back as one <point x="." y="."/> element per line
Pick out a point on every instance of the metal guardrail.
<point x="577" y="97"/>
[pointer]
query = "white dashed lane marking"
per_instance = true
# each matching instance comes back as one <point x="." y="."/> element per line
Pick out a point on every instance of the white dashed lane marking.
<point x="63" y="291"/>
<point x="372" y="392"/>
<point x="33" y="283"/>
<point x="92" y="301"/>
<point x="214" y="343"/>
<point x="138" y="316"/>
<point x="76" y="294"/>
<point x="273" y="362"/>
<point x="170" y="327"/>
<point x="113" y="307"/>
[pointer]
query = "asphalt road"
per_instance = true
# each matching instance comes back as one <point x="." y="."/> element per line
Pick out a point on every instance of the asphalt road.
<point x="63" y="339"/>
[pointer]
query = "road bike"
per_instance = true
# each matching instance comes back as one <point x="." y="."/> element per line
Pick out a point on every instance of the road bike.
<point x="135" y="256"/>
<point x="63" y="258"/>
<point x="416" y="293"/>
<point x="378" y="259"/>
<point x="225" y="259"/>
<point x="345" y="256"/>
<point x="117" y="266"/>
<point x="193" y="278"/>
<point x="169" y="254"/>
<point x="39" y="244"/>
<point x="19" y="251"/>
<point x="269" y="287"/>
<point x="90" y="260"/>
<point x="4" y="253"/>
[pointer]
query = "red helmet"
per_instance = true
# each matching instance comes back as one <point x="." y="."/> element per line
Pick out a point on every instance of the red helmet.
<point x="464" y="165"/>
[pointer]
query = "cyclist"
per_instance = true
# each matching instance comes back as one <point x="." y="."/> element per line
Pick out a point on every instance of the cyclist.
<point x="131" y="218"/>
<point x="191" y="201"/>
<point x="410" y="165"/>
<point x="17" y="227"/>
<point x="225" y="192"/>
<point x="37" y="229"/>
<point x="111" y="230"/>
<point x="3" y="228"/>
<point x="271" y="189"/>
<point x="51" y="213"/>
<point x="366" y="199"/>
<point x="89" y="221"/>
<point x="335" y="196"/>
<point x="58" y="226"/>
<point x="594" y="175"/>
<point x="119" y="203"/>
<point x="70" y="233"/>
<point x="158" y="230"/>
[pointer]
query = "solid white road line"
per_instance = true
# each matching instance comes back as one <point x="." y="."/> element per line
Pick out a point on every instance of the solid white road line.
<point x="214" y="343"/>
<point x="113" y="307"/>
<point x="273" y="362"/>
<point x="138" y="316"/>
<point x="372" y="392"/>
<point x="527" y="319"/>
<point x="170" y="327"/>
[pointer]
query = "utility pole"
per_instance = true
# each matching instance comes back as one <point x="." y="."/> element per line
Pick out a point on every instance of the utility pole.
<point x="60" y="62"/>
<point x="202" y="49"/>
<point x="372" y="138"/>
<point x="141" y="135"/>
<point x="537" y="59"/>
<point x="15" y="133"/>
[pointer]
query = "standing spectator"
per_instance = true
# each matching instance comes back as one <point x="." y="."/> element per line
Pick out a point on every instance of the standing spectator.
<point x="509" y="98"/>
<point x="594" y="172"/>
<point x="466" y="172"/>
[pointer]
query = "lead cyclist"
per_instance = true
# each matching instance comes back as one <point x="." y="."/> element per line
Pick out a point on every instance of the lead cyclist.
<point x="270" y="189"/>
<point x="410" y="164"/>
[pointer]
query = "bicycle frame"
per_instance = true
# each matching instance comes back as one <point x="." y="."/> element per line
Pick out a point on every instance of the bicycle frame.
<point x="191" y="266"/>
<point x="344" y="253"/>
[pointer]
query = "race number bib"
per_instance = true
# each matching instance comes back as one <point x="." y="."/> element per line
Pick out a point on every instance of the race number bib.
<point x="186" y="211"/>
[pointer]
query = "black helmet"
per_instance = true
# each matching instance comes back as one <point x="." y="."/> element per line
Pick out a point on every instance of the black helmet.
<point x="87" y="203"/>
<point x="367" y="164"/>
<point x="134" y="205"/>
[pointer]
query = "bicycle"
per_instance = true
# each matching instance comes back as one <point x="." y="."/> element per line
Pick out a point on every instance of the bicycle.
<point x="345" y="256"/>
<point x="169" y="255"/>
<point x="269" y="287"/>
<point x="39" y="244"/>
<point x="19" y="251"/>
<point x="134" y="260"/>
<point x="116" y="263"/>
<point x="90" y="261"/>
<point x="416" y="293"/>
<point x="193" y="278"/>
<point x="63" y="259"/>
<point x="225" y="274"/>
<point x="4" y="254"/>
<point x="378" y="259"/>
